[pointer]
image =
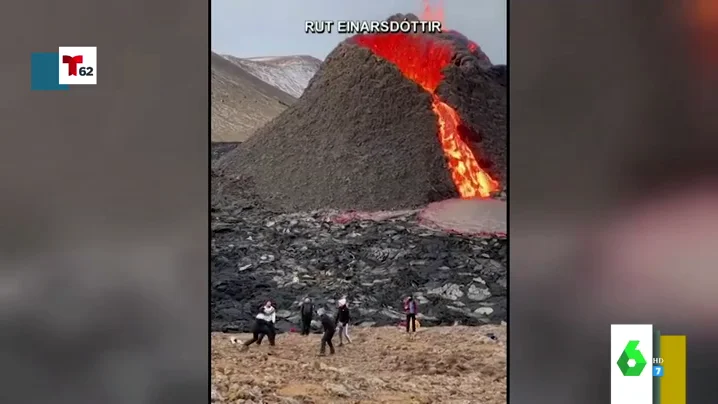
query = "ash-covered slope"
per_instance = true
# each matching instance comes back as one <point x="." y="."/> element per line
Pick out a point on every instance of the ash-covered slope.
<point x="241" y="103"/>
<point x="290" y="74"/>
<point x="361" y="137"/>
<point x="364" y="136"/>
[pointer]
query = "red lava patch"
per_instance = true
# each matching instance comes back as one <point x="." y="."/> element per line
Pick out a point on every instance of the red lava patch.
<point x="347" y="217"/>
<point x="472" y="217"/>
<point x="480" y="217"/>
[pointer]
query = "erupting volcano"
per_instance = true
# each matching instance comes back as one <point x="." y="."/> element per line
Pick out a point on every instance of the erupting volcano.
<point x="421" y="59"/>
<point x="389" y="121"/>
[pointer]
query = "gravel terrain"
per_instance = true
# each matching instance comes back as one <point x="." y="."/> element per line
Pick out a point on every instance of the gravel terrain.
<point x="219" y="149"/>
<point x="447" y="365"/>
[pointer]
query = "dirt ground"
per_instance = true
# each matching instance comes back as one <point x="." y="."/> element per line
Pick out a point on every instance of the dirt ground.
<point x="448" y="365"/>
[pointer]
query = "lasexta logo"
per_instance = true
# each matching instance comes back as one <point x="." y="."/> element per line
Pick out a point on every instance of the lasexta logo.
<point x="631" y="362"/>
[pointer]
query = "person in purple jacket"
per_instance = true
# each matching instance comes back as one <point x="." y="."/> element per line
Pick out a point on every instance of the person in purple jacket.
<point x="411" y="309"/>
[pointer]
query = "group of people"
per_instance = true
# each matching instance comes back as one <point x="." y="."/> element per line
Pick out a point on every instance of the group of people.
<point x="330" y="325"/>
<point x="267" y="317"/>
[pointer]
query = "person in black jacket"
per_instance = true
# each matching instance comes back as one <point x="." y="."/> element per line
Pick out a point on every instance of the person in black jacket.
<point x="307" y="311"/>
<point x="329" y="326"/>
<point x="342" y="319"/>
<point x="263" y="325"/>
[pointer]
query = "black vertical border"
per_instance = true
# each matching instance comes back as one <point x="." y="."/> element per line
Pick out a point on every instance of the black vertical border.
<point x="209" y="201"/>
<point x="508" y="199"/>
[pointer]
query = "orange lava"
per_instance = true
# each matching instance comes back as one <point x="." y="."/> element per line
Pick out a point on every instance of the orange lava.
<point x="421" y="59"/>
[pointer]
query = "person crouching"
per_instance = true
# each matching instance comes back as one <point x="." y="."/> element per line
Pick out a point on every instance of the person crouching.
<point x="263" y="325"/>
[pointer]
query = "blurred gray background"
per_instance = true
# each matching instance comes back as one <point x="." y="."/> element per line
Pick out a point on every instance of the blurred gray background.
<point x="103" y="207"/>
<point x="104" y="199"/>
<point x="614" y="200"/>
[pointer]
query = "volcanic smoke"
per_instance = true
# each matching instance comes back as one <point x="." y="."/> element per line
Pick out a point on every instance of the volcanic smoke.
<point x="422" y="59"/>
<point x="429" y="13"/>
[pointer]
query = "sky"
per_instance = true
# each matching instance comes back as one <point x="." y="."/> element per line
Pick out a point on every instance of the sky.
<point x="250" y="28"/>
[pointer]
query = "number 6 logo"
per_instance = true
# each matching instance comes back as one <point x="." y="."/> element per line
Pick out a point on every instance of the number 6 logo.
<point x="631" y="354"/>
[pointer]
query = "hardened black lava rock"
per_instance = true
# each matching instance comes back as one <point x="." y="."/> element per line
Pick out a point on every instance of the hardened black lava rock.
<point x="258" y="255"/>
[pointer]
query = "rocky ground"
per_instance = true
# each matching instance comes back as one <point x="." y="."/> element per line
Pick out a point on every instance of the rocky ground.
<point x="375" y="260"/>
<point x="448" y="365"/>
<point x="258" y="256"/>
<point x="221" y="148"/>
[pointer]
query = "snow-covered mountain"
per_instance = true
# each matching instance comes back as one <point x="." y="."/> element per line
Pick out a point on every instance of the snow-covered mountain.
<point x="290" y="74"/>
<point x="241" y="102"/>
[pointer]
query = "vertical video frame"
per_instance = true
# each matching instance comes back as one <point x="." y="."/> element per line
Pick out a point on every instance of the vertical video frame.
<point x="358" y="214"/>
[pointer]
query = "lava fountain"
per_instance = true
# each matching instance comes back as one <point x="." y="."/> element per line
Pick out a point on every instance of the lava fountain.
<point x="422" y="59"/>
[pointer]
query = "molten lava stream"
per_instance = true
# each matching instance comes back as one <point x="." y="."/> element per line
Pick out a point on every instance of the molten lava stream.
<point x="470" y="179"/>
<point x="421" y="59"/>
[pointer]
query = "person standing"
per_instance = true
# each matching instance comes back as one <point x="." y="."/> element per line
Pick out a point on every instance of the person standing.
<point x="263" y="325"/>
<point x="306" y="311"/>
<point x="342" y="319"/>
<point x="411" y="309"/>
<point x="329" y="326"/>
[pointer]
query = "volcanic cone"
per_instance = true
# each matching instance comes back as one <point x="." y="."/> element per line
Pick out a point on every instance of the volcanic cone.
<point x="389" y="121"/>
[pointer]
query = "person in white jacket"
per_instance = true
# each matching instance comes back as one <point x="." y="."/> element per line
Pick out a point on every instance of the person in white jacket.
<point x="342" y="320"/>
<point x="263" y="325"/>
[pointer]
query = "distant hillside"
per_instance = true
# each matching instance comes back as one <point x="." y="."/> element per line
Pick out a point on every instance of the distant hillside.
<point x="290" y="74"/>
<point x="241" y="102"/>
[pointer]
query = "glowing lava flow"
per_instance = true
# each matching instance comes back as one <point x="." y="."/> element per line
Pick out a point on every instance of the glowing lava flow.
<point x="421" y="59"/>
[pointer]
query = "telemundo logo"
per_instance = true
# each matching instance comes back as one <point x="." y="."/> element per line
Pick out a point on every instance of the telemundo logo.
<point x="632" y="362"/>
